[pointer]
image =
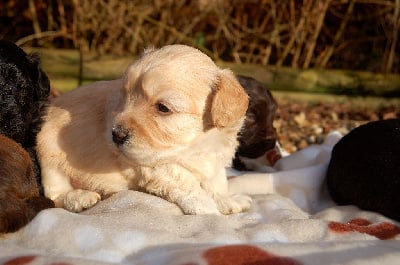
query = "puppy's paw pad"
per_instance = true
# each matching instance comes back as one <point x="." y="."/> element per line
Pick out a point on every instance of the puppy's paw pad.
<point x="79" y="200"/>
<point x="233" y="204"/>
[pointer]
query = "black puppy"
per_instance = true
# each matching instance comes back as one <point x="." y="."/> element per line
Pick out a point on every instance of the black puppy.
<point x="258" y="134"/>
<point x="364" y="169"/>
<point x="24" y="91"/>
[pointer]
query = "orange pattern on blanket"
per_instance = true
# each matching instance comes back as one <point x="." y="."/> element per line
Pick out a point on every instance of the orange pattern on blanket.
<point x="20" y="260"/>
<point x="25" y="260"/>
<point x="244" y="254"/>
<point x="383" y="231"/>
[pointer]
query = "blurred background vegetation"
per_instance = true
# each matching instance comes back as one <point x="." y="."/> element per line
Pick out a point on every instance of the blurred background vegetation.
<point x="359" y="35"/>
<point x="345" y="34"/>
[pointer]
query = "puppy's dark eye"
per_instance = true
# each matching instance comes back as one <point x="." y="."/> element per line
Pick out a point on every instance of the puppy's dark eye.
<point x="162" y="108"/>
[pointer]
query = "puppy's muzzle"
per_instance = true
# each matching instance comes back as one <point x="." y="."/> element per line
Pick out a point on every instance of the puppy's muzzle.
<point x="120" y="135"/>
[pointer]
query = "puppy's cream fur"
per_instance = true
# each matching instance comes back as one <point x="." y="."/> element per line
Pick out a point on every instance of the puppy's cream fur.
<point x="175" y="117"/>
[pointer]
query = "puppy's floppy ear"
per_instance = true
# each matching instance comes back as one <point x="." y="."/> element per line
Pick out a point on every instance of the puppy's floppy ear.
<point x="230" y="100"/>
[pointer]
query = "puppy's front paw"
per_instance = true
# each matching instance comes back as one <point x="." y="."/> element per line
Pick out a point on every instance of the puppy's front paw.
<point x="233" y="204"/>
<point x="198" y="205"/>
<point x="79" y="200"/>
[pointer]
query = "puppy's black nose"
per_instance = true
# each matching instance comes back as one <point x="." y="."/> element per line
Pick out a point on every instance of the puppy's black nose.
<point x="120" y="135"/>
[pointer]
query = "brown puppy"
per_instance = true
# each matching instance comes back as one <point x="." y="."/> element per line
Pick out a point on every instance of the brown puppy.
<point x="19" y="194"/>
<point x="169" y="127"/>
<point x="258" y="135"/>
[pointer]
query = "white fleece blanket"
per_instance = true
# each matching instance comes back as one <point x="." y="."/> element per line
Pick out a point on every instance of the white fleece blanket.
<point x="292" y="221"/>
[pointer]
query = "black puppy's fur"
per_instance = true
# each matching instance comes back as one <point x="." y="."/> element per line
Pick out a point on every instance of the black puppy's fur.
<point x="258" y="134"/>
<point x="364" y="169"/>
<point x="24" y="91"/>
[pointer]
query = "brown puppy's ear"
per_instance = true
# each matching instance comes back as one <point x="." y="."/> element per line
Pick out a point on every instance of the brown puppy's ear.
<point x="230" y="101"/>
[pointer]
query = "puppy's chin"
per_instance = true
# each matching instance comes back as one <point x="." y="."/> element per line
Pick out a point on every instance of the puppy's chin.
<point x="139" y="156"/>
<point x="149" y="142"/>
<point x="137" y="152"/>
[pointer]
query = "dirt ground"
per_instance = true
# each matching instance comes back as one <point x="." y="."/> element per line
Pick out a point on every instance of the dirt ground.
<point x="302" y="119"/>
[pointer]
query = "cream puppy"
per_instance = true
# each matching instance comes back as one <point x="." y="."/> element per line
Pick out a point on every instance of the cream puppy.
<point x="168" y="127"/>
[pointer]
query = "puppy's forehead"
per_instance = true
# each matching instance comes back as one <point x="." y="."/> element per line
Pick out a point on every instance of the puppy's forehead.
<point x="175" y="54"/>
<point x="173" y="65"/>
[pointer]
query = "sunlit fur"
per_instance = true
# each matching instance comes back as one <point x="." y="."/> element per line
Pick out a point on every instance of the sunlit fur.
<point x="168" y="127"/>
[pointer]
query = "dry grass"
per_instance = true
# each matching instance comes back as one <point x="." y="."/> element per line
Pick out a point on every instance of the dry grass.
<point x="360" y="34"/>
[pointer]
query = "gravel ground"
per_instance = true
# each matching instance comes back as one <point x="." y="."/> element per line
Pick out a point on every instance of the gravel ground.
<point x="302" y="120"/>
